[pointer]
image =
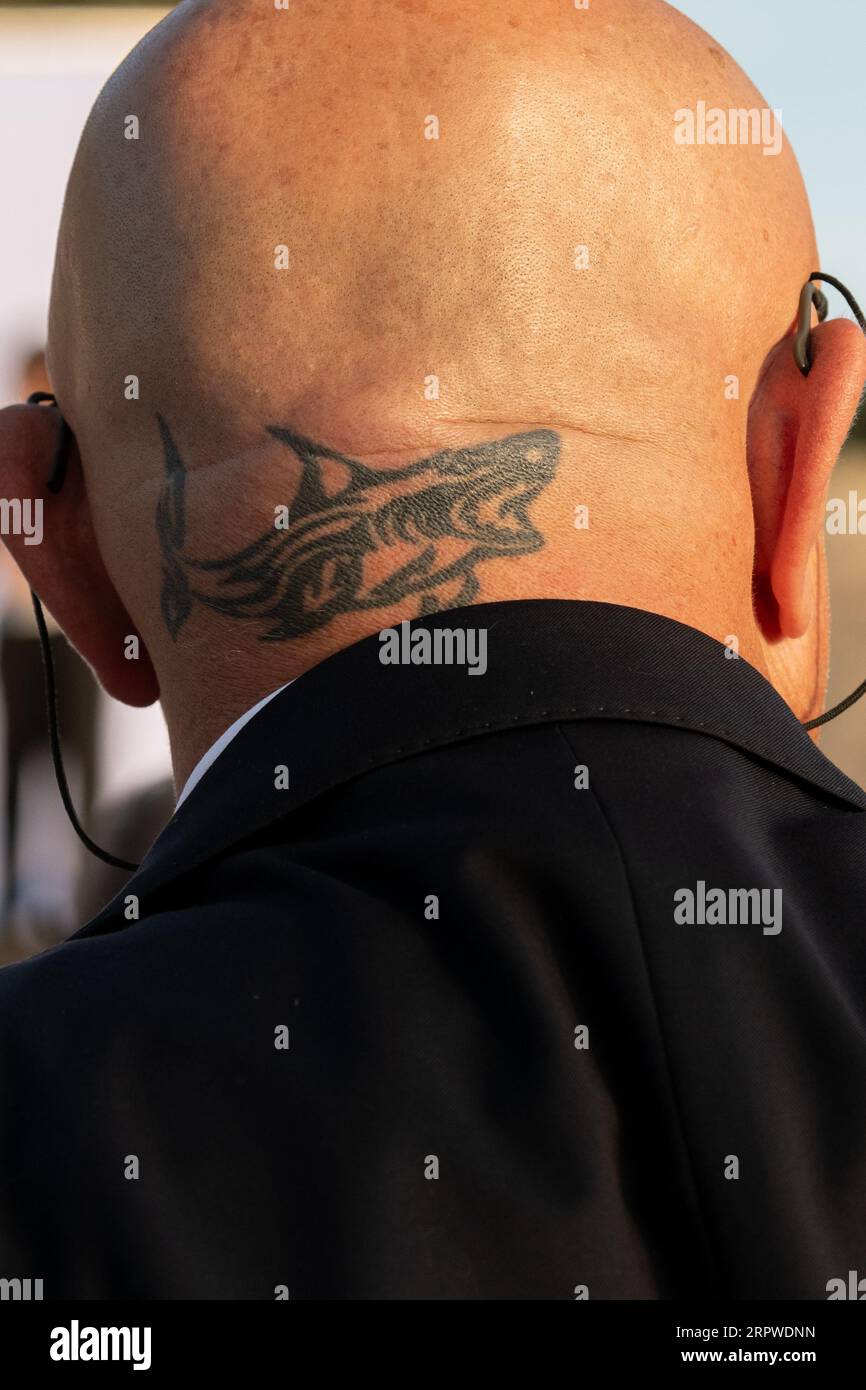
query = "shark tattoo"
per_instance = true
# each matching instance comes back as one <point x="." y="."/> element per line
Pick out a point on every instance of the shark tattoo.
<point x="360" y="538"/>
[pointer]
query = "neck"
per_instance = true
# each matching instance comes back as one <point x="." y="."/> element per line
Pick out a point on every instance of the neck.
<point x="537" y="514"/>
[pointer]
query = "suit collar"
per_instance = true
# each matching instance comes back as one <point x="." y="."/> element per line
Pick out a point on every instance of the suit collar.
<point x="219" y="745"/>
<point x="548" y="660"/>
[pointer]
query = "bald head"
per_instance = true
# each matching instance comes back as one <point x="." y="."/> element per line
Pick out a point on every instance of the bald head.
<point x="491" y="301"/>
<point x="495" y="196"/>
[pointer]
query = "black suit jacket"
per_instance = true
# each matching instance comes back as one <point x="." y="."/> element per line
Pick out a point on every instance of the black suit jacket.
<point x="510" y="1070"/>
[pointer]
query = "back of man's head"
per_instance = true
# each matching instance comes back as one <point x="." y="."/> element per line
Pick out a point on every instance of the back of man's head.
<point x="305" y="250"/>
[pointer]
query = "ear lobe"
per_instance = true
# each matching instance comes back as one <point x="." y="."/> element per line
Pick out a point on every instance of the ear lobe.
<point x="797" y="427"/>
<point x="65" y="568"/>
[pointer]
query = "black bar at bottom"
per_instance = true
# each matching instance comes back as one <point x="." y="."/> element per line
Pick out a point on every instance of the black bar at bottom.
<point x="244" y="1339"/>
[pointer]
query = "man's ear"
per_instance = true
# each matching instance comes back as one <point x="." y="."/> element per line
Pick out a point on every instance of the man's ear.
<point x="797" y="426"/>
<point x="60" y="559"/>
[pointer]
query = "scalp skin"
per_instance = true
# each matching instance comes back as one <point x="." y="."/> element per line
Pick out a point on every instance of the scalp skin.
<point x="411" y="258"/>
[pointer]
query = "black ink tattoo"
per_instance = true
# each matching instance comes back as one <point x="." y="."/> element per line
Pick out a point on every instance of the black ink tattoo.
<point x="434" y="521"/>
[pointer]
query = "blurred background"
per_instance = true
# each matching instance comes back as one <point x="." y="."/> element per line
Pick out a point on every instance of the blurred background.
<point x="53" y="60"/>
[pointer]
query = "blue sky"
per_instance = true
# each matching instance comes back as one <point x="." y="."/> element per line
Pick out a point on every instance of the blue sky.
<point x="810" y="60"/>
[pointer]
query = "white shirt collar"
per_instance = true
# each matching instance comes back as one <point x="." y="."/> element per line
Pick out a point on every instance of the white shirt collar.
<point x="222" y="743"/>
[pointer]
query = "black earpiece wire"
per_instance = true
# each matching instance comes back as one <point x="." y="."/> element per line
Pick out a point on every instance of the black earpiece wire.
<point x="803" y="357"/>
<point x="56" y="479"/>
